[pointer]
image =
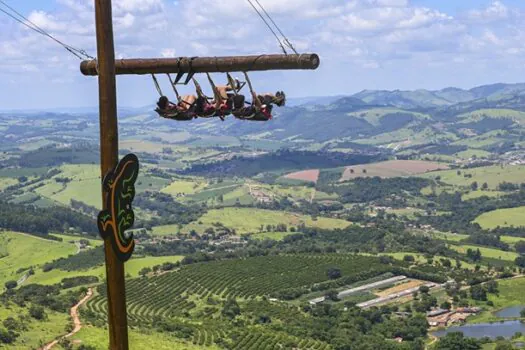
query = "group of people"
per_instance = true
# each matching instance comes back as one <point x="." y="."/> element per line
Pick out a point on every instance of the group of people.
<point x="226" y="100"/>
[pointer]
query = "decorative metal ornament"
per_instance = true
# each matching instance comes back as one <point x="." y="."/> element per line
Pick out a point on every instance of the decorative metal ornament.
<point x="119" y="189"/>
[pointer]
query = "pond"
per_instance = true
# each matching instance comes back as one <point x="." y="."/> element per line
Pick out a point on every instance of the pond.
<point x="513" y="311"/>
<point x="492" y="330"/>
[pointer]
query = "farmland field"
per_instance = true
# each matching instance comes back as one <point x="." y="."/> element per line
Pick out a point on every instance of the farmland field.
<point x="305" y="175"/>
<point x="502" y="217"/>
<point x="391" y="168"/>
<point x="245" y="278"/>
<point x="21" y="250"/>
<point x="247" y="220"/>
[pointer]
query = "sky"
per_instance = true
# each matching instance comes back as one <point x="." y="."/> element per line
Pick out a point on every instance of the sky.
<point x="363" y="44"/>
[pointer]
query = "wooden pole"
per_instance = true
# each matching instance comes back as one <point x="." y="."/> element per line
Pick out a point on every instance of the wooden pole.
<point x="208" y="64"/>
<point x="116" y="290"/>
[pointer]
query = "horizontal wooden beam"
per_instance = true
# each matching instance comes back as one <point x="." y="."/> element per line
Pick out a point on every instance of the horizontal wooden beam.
<point x="207" y="64"/>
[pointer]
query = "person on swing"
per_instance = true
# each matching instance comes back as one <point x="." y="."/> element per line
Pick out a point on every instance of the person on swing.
<point x="261" y="106"/>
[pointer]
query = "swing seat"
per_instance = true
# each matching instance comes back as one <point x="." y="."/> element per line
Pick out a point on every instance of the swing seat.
<point x="174" y="114"/>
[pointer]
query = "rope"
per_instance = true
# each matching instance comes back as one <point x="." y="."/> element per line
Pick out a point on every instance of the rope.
<point x="77" y="52"/>
<point x="157" y="86"/>
<point x="269" y="27"/>
<point x="174" y="88"/>
<point x="286" y="41"/>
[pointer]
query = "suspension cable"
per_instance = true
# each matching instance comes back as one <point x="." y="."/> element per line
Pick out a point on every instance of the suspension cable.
<point x="269" y="27"/>
<point x="24" y="21"/>
<point x="286" y="41"/>
<point x="157" y="86"/>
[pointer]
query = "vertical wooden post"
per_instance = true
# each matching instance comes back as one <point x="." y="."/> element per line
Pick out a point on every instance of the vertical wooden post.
<point x="116" y="291"/>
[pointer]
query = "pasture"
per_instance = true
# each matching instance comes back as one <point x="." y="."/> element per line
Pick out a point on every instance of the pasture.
<point x="492" y="175"/>
<point x="502" y="217"/>
<point x="486" y="252"/>
<point x="391" y="168"/>
<point x="241" y="278"/>
<point x="250" y="220"/>
<point x="20" y="250"/>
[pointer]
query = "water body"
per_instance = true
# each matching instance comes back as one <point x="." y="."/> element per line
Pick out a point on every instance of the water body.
<point x="492" y="330"/>
<point x="513" y="311"/>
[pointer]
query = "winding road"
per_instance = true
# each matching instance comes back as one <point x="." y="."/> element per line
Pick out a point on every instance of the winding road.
<point x="76" y="321"/>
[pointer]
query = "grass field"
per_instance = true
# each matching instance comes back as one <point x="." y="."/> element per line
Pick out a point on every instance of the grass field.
<point x="486" y="252"/>
<point x="502" y="217"/>
<point x="84" y="185"/>
<point x="98" y="338"/>
<point x="391" y="168"/>
<point x="249" y="220"/>
<point x="511" y="239"/>
<point x="39" y="332"/>
<point x="469" y="153"/>
<point x="133" y="266"/>
<point x="449" y="236"/>
<point x="184" y="187"/>
<point x="22" y="251"/>
<point x="492" y="175"/>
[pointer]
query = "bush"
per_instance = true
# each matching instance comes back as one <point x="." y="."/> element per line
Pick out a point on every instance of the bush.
<point x="10" y="285"/>
<point x="37" y="312"/>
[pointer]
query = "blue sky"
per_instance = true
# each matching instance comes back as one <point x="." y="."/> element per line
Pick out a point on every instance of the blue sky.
<point x="363" y="44"/>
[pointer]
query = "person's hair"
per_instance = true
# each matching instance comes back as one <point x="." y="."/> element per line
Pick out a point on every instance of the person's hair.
<point x="238" y="101"/>
<point x="163" y="102"/>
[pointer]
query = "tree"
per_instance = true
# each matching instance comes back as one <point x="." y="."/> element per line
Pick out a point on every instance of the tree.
<point x="333" y="273"/>
<point x="457" y="341"/>
<point x="409" y="258"/>
<point x="231" y="309"/>
<point x="520" y="247"/>
<point x="477" y="292"/>
<point x="485" y="186"/>
<point x="10" y="285"/>
<point x="144" y="271"/>
<point x="520" y="261"/>
<point x="522" y="313"/>
<point x="424" y="289"/>
<point x="37" y="312"/>
<point x="364" y="171"/>
<point x="445" y="305"/>
<point x="474" y="186"/>
<point x="504" y="345"/>
<point x="492" y="287"/>
<point x="7" y="337"/>
<point x="332" y="295"/>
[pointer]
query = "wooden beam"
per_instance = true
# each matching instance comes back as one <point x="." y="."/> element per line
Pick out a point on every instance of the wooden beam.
<point x="116" y="290"/>
<point x="207" y="64"/>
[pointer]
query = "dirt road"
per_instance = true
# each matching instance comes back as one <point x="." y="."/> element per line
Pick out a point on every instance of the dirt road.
<point x="76" y="320"/>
